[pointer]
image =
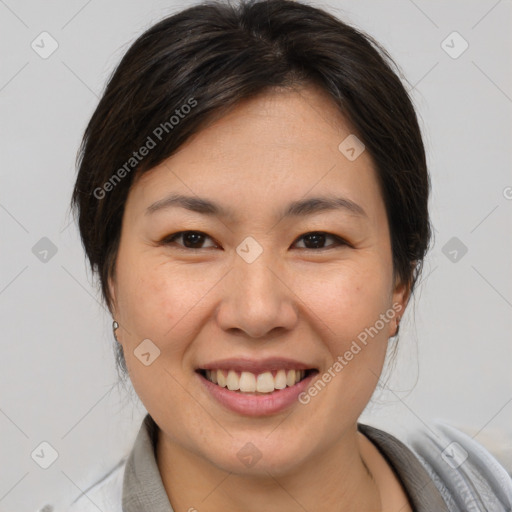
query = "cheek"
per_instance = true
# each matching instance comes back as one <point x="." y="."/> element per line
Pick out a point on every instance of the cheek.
<point x="161" y="300"/>
<point x="157" y="302"/>
<point x="348" y="299"/>
<point x="152" y="300"/>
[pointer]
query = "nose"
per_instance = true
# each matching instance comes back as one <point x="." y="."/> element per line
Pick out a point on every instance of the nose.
<point x="256" y="299"/>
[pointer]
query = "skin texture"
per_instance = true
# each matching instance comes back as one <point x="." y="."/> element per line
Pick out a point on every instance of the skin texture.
<point x="309" y="304"/>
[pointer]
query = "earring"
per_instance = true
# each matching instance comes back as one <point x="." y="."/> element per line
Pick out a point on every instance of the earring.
<point x="115" y="326"/>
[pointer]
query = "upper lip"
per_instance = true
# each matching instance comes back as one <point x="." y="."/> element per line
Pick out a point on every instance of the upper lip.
<point x="256" y="365"/>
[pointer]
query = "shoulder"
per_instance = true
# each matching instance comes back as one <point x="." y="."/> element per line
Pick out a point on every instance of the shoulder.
<point x="104" y="494"/>
<point x="462" y="469"/>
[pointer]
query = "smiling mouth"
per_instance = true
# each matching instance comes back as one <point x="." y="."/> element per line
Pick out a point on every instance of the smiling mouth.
<point x="255" y="384"/>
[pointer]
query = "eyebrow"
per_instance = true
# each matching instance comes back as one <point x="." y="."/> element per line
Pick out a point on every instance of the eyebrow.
<point x="301" y="207"/>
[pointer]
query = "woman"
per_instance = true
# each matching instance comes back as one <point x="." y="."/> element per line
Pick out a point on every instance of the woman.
<point x="253" y="191"/>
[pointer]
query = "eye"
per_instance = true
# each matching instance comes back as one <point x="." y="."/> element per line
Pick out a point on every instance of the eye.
<point x="317" y="238"/>
<point x="191" y="239"/>
<point x="195" y="240"/>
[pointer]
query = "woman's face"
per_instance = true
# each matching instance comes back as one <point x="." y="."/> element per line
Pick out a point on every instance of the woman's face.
<point x="253" y="291"/>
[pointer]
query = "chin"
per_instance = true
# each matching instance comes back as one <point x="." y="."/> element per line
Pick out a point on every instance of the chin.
<point x="258" y="456"/>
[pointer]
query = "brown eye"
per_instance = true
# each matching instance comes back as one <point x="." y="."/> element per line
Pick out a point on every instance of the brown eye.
<point x="316" y="240"/>
<point x="190" y="239"/>
<point x="196" y="239"/>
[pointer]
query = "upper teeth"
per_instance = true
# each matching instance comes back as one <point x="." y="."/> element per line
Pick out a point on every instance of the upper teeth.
<point x="249" y="382"/>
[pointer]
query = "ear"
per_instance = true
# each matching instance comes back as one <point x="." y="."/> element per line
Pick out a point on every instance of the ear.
<point x="113" y="307"/>
<point x="400" y="299"/>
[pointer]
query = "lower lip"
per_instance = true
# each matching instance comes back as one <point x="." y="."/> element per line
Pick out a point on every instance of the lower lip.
<point x="257" y="405"/>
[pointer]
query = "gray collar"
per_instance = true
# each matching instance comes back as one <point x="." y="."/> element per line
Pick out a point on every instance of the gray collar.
<point x="420" y="488"/>
<point x="143" y="490"/>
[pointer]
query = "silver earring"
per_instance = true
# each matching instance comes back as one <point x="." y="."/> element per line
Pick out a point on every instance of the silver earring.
<point x="115" y="326"/>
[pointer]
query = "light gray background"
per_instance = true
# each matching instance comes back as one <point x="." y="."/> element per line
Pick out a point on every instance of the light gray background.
<point x="57" y="378"/>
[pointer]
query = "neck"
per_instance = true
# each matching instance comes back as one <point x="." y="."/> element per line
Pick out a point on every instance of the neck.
<point x="337" y="479"/>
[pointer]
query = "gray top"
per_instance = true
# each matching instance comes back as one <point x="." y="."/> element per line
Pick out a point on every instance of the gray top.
<point x="143" y="489"/>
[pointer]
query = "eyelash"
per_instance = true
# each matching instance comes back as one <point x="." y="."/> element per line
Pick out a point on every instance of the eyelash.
<point x="168" y="240"/>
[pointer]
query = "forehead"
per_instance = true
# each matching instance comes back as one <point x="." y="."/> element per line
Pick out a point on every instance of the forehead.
<point x="278" y="147"/>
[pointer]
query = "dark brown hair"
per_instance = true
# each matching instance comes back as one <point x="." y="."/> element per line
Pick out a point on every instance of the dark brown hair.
<point x="202" y="61"/>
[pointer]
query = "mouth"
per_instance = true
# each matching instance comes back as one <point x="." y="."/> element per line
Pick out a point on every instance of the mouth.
<point x="251" y="383"/>
<point x="256" y="388"/>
